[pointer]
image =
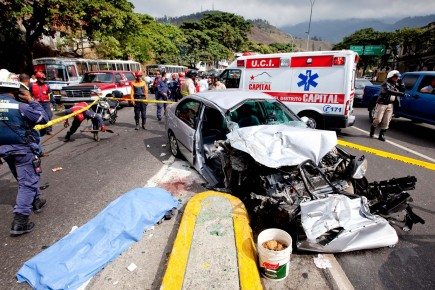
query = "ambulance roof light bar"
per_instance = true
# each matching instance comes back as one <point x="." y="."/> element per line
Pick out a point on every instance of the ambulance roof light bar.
<point x="339" y="60"/>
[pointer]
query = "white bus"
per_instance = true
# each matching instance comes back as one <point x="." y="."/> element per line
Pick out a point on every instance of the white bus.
<point x="152" y="69"/>
<point x="61" y="72"/>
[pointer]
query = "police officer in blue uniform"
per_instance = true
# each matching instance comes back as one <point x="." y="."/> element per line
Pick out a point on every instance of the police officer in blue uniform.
<point x="19" y="148"/>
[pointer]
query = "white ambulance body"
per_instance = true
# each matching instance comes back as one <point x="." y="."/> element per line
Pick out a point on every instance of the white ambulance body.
<point x="318" y="84"/>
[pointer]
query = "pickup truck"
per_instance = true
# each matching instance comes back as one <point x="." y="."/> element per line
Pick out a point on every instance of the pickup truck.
<point x="97" y="84"/>
<point x="418" y="107"/>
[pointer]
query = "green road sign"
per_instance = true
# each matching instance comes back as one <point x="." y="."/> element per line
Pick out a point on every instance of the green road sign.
<point x="357" y="48"/>
<point x="374" y="50"/>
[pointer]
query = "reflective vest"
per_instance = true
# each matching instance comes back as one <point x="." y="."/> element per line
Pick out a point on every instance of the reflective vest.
<point x="40" y="92"/>
<point x="139" y="89"/>
<point x="13" y="127"/>
<point x="78" y="107"/>
<point x="185" y="87"/>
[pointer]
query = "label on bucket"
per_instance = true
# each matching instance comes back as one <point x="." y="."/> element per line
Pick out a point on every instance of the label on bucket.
<point x="274" y="271"/>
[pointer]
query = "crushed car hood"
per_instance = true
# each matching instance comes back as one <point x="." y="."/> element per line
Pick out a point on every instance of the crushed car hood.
<point x="281" y="145"/>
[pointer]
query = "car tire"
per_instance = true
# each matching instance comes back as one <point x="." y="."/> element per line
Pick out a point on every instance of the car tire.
<point x="173" y="145"/>
<point x="314" y="121"/>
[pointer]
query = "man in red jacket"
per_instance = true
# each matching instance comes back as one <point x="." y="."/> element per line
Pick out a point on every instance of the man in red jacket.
<point x="42" y="93"/>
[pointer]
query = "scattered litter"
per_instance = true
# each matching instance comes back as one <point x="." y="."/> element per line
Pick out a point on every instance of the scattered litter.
<point x="56" y="169"/>
<point x="6" y="244"/>
<point x="322" y="262"/>
<point x="116" y="282"/>
<point x="132" y="267"/>
<point x="148" y="146"/>
<point x="74" y="228"/>
<point x="44" y="247"/>
<point x="163" y="154"/>
<point x="151" y="228"/>
<point x="45" y="186"/>
<point x="163" y="145"/>
<point x="150" y="236"/>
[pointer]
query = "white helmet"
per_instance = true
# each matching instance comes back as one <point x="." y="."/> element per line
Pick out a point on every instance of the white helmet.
<point x="7" y="80"/>
<point x="393" y="73"/>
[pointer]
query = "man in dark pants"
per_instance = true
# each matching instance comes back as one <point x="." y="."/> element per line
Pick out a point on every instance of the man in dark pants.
<point x="139" y="91"/>
<point x="97" y="120"/>
<point x="42" y="93"/>
<point x="162" y="95"/>
<point x="19" y="112"/>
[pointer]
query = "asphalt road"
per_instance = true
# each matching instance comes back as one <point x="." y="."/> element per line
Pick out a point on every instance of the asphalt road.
<point x="96" y="173"/>
<point x="409" y="264"/>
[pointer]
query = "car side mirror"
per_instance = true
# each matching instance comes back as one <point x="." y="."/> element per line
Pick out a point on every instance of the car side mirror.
<point x="305" y="119"/>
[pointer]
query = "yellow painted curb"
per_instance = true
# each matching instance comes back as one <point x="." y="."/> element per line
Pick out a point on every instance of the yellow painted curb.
<point x="385" y="154"/>
<point x="246" y="252"/>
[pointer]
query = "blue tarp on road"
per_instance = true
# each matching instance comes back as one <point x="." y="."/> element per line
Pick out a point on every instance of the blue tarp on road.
<point x="70" y="262"/>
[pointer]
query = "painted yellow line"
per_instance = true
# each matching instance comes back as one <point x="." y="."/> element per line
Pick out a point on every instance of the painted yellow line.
<point x="424" y="164"/>
<point x="249" y="276"/>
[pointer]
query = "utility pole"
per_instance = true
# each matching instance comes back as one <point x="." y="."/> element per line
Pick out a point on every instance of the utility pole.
<point x="309" y="23"/>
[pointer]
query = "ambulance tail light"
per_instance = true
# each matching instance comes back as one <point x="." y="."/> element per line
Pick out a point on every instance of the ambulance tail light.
<point x="339" y="60"/>
<point x="240" y="63"/>
<point x="357" y="58"/>
<point x="346" y="108"/>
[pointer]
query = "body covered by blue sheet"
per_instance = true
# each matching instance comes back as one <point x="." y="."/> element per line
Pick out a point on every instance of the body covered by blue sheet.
<point x="70" y="262"/>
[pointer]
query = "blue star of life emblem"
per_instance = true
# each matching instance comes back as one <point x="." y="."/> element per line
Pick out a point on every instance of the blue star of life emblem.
<point x="308" y="80"/>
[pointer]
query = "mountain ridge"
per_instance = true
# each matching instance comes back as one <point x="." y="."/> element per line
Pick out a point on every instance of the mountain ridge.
<point x="335" y="30"/>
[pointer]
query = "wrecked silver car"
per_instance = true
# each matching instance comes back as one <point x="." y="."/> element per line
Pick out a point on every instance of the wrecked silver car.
<point x="289" y="176"/>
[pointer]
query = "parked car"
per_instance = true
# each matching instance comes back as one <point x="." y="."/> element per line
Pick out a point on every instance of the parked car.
<point x="419" y="107"/>
<point x="97" y="84"/>
<point x="251" y="145"/>
<point x="360" y="84"/>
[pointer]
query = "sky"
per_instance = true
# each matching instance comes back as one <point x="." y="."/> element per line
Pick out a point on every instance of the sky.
<point x="290" y="12"/>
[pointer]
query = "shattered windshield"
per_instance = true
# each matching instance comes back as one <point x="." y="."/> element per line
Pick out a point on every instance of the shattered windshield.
<point x="97" y="78"/>
<point x="263" y="112"/>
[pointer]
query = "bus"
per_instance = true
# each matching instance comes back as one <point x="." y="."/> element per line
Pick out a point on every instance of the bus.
<point x="61" y="71"/>
<point x="152" y="69"/>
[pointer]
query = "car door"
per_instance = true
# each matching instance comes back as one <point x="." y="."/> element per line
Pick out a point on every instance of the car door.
<point x="187" y="120"/>
<point x="423" y="104"/>
<point x="406" y="104"/>
<point x="126" y="84"/>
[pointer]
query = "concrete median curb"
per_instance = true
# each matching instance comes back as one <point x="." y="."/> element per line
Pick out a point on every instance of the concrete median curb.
<point x="335" y="275"/>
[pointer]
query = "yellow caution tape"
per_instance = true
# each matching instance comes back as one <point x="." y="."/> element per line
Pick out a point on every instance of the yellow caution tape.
<point x="64" y="118"/>
<point x="58" y="120"/>
<point x="142" y="100"/>
<point x="389" y="155"/>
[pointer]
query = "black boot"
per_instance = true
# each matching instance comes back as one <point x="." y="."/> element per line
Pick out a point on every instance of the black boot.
<point x="137" y="125"/>
<point x="67" y="137"/>
<point x="143" y="123"/>
<point x="372" y="131"/>
<point x="21" y="225"/>
<point x="382" y="135"/>
<point x="38" y="204"/>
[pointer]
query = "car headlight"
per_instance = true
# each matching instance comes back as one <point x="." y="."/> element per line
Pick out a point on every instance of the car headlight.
<point x="96" y="93"/>
<point x="360" y="168"/>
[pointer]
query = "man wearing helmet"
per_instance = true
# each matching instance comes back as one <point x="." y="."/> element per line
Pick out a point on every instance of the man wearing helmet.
<point x="42" y="93"/>
<point x="188" y="86"/>
<point x="391" y="89"/>
<point x="19" y="148"/>
<point x="174" y="87"/>
<point x="139" y="91"/>
<point x="97" y="120"/>
<point x="215" y="83"/>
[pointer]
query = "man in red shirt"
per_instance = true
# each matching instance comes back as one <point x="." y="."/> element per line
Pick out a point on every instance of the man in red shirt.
<point x="42" y="93"/>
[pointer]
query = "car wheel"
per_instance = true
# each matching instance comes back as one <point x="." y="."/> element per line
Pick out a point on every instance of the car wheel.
<point x="372" y="111"/>
<point x="173" y="145"/>
<point x="314" y="121"/>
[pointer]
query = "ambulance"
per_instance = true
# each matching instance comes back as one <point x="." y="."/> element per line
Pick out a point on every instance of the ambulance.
<point x="318" y="85"/>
